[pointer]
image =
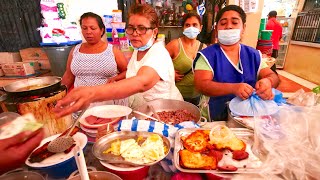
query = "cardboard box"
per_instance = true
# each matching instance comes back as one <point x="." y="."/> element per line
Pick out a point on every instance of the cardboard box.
<point x="9" y="57"/>
<point x="18" y="69"/>
<point x="31" y="54"/>
<point x="44" y="64"/>
<point x="35" y="64"/>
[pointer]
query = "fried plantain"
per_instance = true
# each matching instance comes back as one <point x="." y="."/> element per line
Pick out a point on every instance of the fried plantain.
<point x="196" y="141"/>
<point x="196" y="160"/>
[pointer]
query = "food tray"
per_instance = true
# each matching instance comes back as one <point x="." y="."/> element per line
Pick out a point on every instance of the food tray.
<point x="249" y="165"/>
<point x="104" y="143"/>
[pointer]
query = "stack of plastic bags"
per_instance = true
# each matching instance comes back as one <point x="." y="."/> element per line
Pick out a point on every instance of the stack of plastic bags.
<point x="56" y="29"/>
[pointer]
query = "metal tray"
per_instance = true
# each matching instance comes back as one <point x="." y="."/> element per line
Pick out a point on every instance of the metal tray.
<point x="104" y="143"/>
<point x="249" y="165"/>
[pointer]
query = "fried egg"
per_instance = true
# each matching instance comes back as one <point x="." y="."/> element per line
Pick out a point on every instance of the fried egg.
<point x="153" y="148"/>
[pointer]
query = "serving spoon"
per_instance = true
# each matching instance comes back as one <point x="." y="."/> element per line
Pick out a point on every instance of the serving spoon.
<point x="63" y="143"/>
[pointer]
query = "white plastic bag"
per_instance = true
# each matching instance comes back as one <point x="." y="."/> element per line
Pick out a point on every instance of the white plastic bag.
<point x="290" y="144"/>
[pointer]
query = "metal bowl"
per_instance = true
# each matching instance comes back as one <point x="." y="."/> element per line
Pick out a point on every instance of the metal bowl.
<point x="168" y="105"/>
<point x="104" y="143"/>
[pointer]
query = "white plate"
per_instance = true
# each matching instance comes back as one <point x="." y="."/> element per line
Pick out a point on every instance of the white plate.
<point x="80" y="139"/>
<point x="105" y="111"/>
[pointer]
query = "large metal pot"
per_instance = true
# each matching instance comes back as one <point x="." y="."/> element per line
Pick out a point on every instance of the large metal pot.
<point x="39" y="85"/>
<point x="169" y="105"/>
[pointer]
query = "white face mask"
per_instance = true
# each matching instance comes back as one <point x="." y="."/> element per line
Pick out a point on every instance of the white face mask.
<point x="147" y="46"/>
<point x="191" y="32"/>
<point x="229" y="37"/>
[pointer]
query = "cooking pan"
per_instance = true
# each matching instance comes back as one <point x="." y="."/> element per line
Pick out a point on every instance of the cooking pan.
<point x="40" y="85"/>
<point x="169" y="105"/>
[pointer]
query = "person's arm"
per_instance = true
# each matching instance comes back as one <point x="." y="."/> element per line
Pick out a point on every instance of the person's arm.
<point x="122" y="64"/>
<point x="14" y="151"/>
<point x="173" y="48"/>
<point x="203" y="79"/>
<point x="68" y="77"/>
<point x="145" y="79"/>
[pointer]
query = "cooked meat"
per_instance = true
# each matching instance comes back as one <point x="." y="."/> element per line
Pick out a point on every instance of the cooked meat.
<point x="194" y="160"/>
<point x="233" y="144"/>
<point x="196" y="141"/>
<point x="240" y="155"/>
<point x="98" y="120"/>
<point x="227" y="168"/>
<point x="175" y="117"/>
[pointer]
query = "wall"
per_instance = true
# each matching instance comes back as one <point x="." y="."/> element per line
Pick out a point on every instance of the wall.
<point x="252" y="25"/>
<point x="303" y="61"/>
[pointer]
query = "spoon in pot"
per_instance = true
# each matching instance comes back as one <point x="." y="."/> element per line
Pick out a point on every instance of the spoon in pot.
<point x="63" y="143"/>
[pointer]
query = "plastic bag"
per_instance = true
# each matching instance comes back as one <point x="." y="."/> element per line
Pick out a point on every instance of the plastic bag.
<point x="302" y="98"/>
<point x="289" y="143"/>
<point x="253" y="106"/>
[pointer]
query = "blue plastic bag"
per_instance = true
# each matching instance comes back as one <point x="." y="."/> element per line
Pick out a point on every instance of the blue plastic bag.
<point x="253" y="106"/>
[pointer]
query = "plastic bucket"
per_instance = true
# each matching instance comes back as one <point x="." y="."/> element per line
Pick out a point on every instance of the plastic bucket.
<point x="58" y="57"/>
<point x="265" y="46"/>
<point x="266" y="34"/>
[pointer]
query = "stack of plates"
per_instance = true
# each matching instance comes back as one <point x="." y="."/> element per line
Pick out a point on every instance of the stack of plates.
<point x="113" y="112"/>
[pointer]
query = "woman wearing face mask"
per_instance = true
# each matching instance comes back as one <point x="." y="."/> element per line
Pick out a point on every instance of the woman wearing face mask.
<point x="183" y="51"/>
<point x="229" y="69"/>
<point x="150" y="72"/>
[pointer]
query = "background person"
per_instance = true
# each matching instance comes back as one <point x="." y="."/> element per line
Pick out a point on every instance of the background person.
<point x="229" y="69"/>
<point x="94" y="62"/>
<point x="183" y="51"/>
<point x="150" y="73"/>
<point x="274" y="25"/>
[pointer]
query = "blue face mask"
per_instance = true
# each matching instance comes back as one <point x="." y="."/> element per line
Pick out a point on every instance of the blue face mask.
<point x="191" y="32"/>
<point x="147" y="46"/>
<point x="229" y="37"/>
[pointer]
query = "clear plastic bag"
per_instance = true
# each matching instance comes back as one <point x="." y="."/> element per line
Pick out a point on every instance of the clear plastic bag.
<point x="289" y="143"/>
<point x="302" y="98"/>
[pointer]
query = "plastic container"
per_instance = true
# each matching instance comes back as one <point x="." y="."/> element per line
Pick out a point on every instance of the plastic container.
<point x="116" y="15"/>
<point x="21" y="174"/>
<point x="265" y="46"/>
<point x="266" y="34"/>
<point x="107" y="20"/>
<point x="162" y="37"/>
<point x="137" y="173"/>
<point x="58" y="57"/>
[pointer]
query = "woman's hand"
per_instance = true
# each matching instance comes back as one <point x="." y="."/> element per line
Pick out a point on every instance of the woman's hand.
<point x="178" y="76"/>
<point x="264" y="89"/>
<point x="243" y="90"/>
<point x="79" y="98"/>
<point x="15" y="150"/>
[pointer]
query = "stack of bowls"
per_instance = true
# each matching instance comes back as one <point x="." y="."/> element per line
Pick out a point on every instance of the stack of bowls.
<point x="113" y="112"/>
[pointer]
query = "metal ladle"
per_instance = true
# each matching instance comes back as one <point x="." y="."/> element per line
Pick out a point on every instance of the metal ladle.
<point x="63" y="143"/>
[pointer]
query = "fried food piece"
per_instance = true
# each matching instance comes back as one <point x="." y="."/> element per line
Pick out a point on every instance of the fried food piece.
<point x="239" y="155"/>
<point x="223" y="138"/>
<point x="196" y="141"/>
<point x="196" y="160"/>
<point x="227" y="168"/>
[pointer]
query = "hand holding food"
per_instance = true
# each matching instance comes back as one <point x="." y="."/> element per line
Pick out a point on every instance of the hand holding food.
<point x="264" y="89"/>
<point x="15" y="150"/>
<point x="243" y="90"/>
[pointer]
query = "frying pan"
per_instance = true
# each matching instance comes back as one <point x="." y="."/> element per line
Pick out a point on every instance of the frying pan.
<point x="46" y="84"/>
<point x="169" y="105"/>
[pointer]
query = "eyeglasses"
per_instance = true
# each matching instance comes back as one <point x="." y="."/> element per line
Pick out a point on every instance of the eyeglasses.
<point x="140" y="30"/>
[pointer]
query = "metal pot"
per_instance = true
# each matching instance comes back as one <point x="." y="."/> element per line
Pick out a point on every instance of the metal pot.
<point x="169" y="105"/>
<point x="41" y="84"/>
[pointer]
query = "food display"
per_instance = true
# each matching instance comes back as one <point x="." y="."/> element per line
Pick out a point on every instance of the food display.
<point x="219" y="150"/>
<point x="152" y="149"/>
<point x="42" y="152"/>
<point x="175" y="117"/>
<point x="136" y="148"/>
